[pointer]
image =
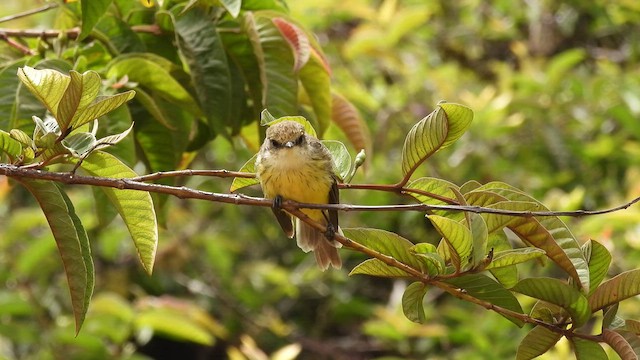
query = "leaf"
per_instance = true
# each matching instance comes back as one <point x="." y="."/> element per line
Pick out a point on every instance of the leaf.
<point x="9" y="93"/>
<point x="102" y="106"/>
<point x="112" y="139"/>
<point x="619" y="344"/>
<point x="375" y="267"/>
<point x="620" y="287"/>
<point x="484" y="288"/>
<point x="341" y="157"/>
<point x="537" y="342"/>
<point x="456" y="235"/>
<point x="297" y="40"/>
<point x="47" y="85"/>
<point x="431" y="191"/>
<point x="10" y="146"/>
<point x="514" y="256"/>
<point x="153" y="76"/>
<point x="266" y="119"/>
<point x="201" y="46"/>
<point x="437" y="130"/>
<point x="275" y="62"/>
<point x="80" y="144"/>
<point x="248" y="167"/>
<point x="599" y="259"/>
<point x="385" y="242"/>
<point x="92" y="11"/>
<point x="559" y="293"/>
<point x="174" y="326"/>
<point x="349" y="120"/>
<point x="479" y="236"/>
<point x="316" y="82"/>
<point x="71" y="240"/>
<point x="232" y="6"/>
<point x="81" y="91"/>
<point x="588" y="350"/>
<point x="507" y="275"/>
<point x="427" y="253"/>
<point x="135" y="207"/>
<point x="412" y="306"/>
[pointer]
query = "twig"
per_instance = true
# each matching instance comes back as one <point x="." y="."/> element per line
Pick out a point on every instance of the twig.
<point x="28" y="12"/>
<point x="47" y="34"/>
<point x="237" y="199"/>
<point x="188" y="172"/>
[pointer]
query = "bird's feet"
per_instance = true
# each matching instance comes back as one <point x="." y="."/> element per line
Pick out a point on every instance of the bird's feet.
<point x="277" y="202"/>
<point x="330" y="233"/>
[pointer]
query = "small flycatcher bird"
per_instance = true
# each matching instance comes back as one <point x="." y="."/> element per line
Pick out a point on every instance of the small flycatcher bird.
<point x="294" y="165"/>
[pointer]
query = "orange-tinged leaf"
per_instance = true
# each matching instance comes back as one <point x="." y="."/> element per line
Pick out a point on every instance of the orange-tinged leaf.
<point x="622" y="286"/>
<point x="297" y="39"/>
<point x="619" y="344"/>
<point x="348" y="119"/>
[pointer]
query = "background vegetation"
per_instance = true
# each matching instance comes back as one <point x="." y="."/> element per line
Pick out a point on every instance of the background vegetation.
<point x="555" y="87"/>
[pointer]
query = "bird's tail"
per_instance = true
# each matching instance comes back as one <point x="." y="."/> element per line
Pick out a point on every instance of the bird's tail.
<point x="325" y="250"/>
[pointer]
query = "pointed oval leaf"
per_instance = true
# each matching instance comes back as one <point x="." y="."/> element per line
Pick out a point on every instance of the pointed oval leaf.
<point x="341" y="157"/>
<point x="135" y="207"/>
<point x="412" y="306"/>
<point x="47" y="85"/>
<point x="81" y="91"/>
<point x="559" y="293"/>
<point x="485" y="288"/>
<point x="456" y="235"/>
<point x="513" y="257"/>
<point x="459" y="119"/>
<point x="588" y="350"/>
<point x="619" y="344"/>
<point x="385" y="242"/>
<point x="599" y="259"/>
<point x="433" y="263"/>
<point x="75" y="256"/>
<point x="537" y="342"/>
<point x="620" y="287"/>
<point x="480" y="237"/>
<point x="350" y="121"/>
<point x="297" y="40"/>
<point x="375" y="267"/>
<point x="10" y="146"/>
<point x="102" y="106"/>
<point x="202" y="48"/>
<point x="92" y="11"/>
<point x="232" y="6"/>
<point x="248" y="167"/>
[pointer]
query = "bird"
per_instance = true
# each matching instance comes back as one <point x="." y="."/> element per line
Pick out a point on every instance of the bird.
<point x="294" y="165"/>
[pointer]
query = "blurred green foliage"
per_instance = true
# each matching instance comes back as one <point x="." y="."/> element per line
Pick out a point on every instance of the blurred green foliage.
<point x="555" y="87"/>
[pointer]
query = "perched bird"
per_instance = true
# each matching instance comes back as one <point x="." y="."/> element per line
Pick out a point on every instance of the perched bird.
<point x="296" y="166"/>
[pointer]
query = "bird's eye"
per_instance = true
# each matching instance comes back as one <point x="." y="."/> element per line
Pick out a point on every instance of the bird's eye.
<point x="300" y="139"/>
<point x="275" y="143"/>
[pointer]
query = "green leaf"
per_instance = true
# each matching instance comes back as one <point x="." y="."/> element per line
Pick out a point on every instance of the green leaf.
<point x="621" y="287"/>
<point x="427" y="253"/>
<point x="155" y="77"/>
<point x="9" y="93"/>
<point x="201" y="46"/>
<point x="232" y="6"/>
<point x="297" y="40"/>
<point x="10" y="146"/>
<point x="439" y="129"/>
<point x="275" y="62"/>
<point x="341" y="157"/>
<point x="266" y="119"/>
<point x="430" y="191"/>
<point x="79" y="144"/>
<point x="610" y="316"/>
<point x="599" y="259"/>
<point x="72" y="242"/>
<point x="249" y="167"/>
<point x="174" y="325"/>
<point x="537" y="342"/>
<point x="588" y="350"/>
<point x="81" y="91"/>
<point x="47" y="85"/>
<point x="412" y="302"/>
<point x="484" y="288"/>
<point x="92" y="11"/>
<point x="375" y="267"/>
<point x="507" y="275"/>
<point x="316" y="82"/>
<point x="559" y="293"/>
<point x="480" y="237"/>
<point x="135" y="207"/>
<point x="456" y="235"/>
<point x="385" y="242"/>
<point x="514" y="256"/>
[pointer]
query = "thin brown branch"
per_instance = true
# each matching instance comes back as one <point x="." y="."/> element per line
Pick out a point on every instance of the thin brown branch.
<point x="16" y="45"/>
<point x="184" y="193"/>
<point x="181" y="173"/>
<point x="34" y="33"/>
<point x="28" y="12"/>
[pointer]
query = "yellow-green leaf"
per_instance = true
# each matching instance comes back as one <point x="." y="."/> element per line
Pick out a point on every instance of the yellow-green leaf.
<point x="47" y="85"/>
<point x="537" y="342"/>
<point x="514" y="256"/>
<point x="456" y="235"/>
<point x="599" y="260"/>
<point x="135" y="207"/>
<point x="248" y="167"/>
<point x="412" y="302"/>
<point x="588" y="350"/>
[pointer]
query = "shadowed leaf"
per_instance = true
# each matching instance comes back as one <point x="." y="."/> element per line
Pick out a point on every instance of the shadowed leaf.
<point x="249" y="167"/>
<point x="47" y="85"/>
<point x="622" y="286"/>
<point x="537" y="342"/>
<point x="588" y="350"/>
<point x="349" y="120"/>
<point x="619" y="344"/>
<point x="412" y="302"/>
<point x="599" y="259"/>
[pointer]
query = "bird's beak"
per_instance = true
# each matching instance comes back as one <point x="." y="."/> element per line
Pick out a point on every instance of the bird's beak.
<point x="288" y="144"/>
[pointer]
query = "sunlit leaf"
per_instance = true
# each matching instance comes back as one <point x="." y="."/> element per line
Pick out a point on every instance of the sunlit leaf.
<point x="79" y="144"/>
<point x="485" y="288"/>
<point x="81" y="91"/>
<point x="619" y="344"/>
<point x="431" y="190"/>
<point x="427" y="253"/>
<point x="375" y="267"/>
<point x="232" y="6"/>
<point x="599" y="260"/>
<point x="412" y="302"/>
<point x="101" y="106"/>
<point x="557" y="292"/>
<point x="537" y="342"/>
<point x="456" y="235"/>
<point x="47" y="85"/>
<point x="69" y="234"/>
<point x="341" y="157"/>
<point x="514" y="256"/>
<point x="92" y="11"/>
<point x="135" y="207"/>
<point x="480" y="236"/>
<point x="10" y="146"/>
<point x="507" y="275"/>
<point x="622" y="286"/>
<point x="248" y="167"/>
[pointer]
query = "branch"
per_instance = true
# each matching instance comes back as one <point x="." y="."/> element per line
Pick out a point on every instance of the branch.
<point x="182" y="192"/>
<point x="28" y="12"/>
